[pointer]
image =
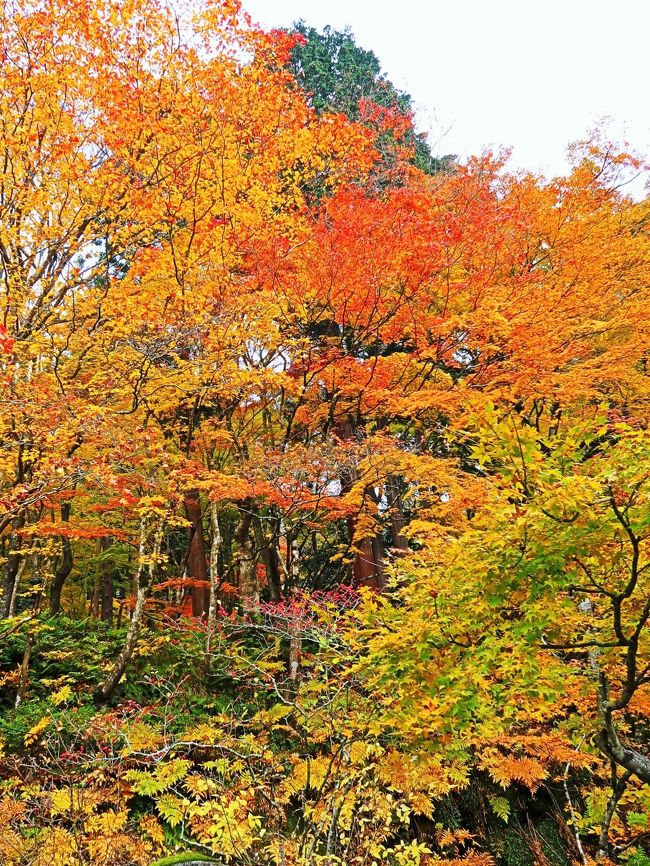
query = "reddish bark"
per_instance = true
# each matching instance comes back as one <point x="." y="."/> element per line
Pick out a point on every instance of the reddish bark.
<point x="197" y="566"/>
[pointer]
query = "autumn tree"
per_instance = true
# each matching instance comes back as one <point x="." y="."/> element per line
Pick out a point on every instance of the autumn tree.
<point x="126" y="283"/>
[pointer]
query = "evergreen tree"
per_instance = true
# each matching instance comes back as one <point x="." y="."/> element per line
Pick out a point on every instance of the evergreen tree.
<point x="340" y="76"/>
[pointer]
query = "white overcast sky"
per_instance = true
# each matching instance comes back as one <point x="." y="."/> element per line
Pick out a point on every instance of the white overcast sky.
<point x="530" y="75"/>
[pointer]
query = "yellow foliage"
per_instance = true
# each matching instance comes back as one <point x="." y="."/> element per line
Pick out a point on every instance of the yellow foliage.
<point x="107" y="823"/>
<point x="34" y="733"/>
<point x="74" y="800"/>
<point x="56" y="847"/>
<point x="62" y="696"/>
<point x="152" y="827"/>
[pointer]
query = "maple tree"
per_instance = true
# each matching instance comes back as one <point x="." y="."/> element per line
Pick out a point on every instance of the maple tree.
<point x="324" y="479"/>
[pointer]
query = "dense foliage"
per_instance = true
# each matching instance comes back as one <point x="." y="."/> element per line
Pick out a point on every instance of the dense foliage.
<point x="337" y="75"/>
<point x="324" y="479"/>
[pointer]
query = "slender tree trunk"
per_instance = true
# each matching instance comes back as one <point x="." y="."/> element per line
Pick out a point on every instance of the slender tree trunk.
<point x="270" y="556"/>
<point x="94" y="598"/>
<point x="295" y="562"/>
<point x="295" y="641"/>
<point x="215" y="547"/>
<point x="397" y="519"/>
<point x="619" y="784"/>
<point x="368" y="565"/>
<point x="295" y="650"/>
<point x="111" y="682"/>
<point x="572" y="812"/>
<point x="141" y="587"/>
<point x="295" y="638"/>
<point x="14" y="592"/>
<point x="379" y="558"/>
<point x="23" y="680"/>
<point x="64" y="565"/>
<point x="291" y="574"/>
<point x="106" y="582"/>
<point x="197" y="567"/>
<point x="249" y="591"/>
<point x="13" y="563"/>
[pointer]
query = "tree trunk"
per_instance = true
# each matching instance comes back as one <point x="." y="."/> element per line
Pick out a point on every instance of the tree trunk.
<point x="64" y="565"/>
<point x="270" y="557"/>
<point x="619" y="784"/>
<point x="94" y="598"/>
<point x="249" y="591"/>
<point x="215" y="547"/>
<point x="23" y="679"/>
<point x="363" y="567"/>
<point x="13" y="564"/>
<point x="14" y="592"/>
<point x="379" y="558"/>
<point x="629" y="759"/>
<point x="197" y="567"/>
<point x="111" y="682"/>
<point x="295" y="642"/>
<point x="368" y="565"/>
<point x="106" y="582"/>
<point x="397" y="519"/>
